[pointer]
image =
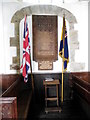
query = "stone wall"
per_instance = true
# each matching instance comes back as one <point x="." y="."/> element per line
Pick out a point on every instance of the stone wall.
<point x="52" y="10"/>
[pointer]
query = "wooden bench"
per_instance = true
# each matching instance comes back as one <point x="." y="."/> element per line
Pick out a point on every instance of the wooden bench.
<point x="81" y="87"/>
<point x="19" y="93"/>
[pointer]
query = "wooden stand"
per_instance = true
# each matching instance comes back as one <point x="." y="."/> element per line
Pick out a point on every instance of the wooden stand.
<point x="49" y="84"/>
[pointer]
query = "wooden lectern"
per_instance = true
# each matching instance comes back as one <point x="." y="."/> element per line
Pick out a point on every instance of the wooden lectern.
<point x="49" y="84"/>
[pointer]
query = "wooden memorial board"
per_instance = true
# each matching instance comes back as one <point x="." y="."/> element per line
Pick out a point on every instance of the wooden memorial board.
<point x="45" y="43"/>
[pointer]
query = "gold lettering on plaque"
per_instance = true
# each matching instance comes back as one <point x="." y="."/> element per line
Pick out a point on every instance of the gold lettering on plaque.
<point x="45" y="65"/>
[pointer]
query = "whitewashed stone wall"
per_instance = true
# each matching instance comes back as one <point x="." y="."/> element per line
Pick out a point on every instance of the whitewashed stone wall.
<point x="52" y="10"/>
<point x="73" y="12"/>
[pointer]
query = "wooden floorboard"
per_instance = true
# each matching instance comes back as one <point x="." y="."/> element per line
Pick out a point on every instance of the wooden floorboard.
<point x="70" y="110"/>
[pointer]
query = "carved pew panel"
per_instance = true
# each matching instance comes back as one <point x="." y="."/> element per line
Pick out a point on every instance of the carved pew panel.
<point x="8" y="107"/>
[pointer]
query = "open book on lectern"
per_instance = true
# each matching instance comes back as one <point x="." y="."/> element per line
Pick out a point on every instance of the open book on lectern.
<point x="49" y="79"/>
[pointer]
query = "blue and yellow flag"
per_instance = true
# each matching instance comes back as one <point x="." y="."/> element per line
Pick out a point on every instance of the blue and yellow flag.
<point x="66" y="54"/>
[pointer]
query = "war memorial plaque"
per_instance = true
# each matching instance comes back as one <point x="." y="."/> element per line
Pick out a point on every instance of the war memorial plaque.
<point x="45" y="65"/>
<point x="45" y="43"/>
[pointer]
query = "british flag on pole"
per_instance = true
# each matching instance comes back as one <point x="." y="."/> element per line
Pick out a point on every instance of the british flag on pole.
<point x="26" y="52"/>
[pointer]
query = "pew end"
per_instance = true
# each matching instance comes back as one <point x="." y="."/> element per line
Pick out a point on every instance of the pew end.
<point x="15" y="100"/>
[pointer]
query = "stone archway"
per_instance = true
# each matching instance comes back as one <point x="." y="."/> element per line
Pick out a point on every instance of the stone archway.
<point x="52" y="10"/>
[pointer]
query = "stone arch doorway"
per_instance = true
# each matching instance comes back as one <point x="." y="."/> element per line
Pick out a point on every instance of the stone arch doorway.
<point x="44" y="9"/>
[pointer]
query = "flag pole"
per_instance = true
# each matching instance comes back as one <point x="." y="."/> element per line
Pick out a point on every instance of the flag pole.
<point x="31" y="75"/>
<point x="63" y="57"/>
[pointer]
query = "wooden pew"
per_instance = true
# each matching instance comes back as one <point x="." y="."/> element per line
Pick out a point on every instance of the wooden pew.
<point x="8" y="107"/>
<point x="81" y="87"/>
<point x="19" y="93"/>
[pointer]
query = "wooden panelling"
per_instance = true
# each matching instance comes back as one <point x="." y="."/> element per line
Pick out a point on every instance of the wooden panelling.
<point x="0" y="82"/>
<point x="39" y="87"/>
<point x="85" y="76"/>
<point x="38" y="84"/>
<point x="7" y="79"/>
<point x="81" y="84"/>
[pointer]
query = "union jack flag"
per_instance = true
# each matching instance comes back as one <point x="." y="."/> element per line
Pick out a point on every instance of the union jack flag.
<point x="26" y="52"/>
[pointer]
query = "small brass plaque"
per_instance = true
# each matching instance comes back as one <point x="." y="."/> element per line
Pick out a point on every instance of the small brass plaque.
<point x="45" y="65"/>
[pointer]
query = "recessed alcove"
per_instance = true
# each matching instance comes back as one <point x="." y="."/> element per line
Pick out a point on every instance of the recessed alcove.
<point x="46" y="10"/>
